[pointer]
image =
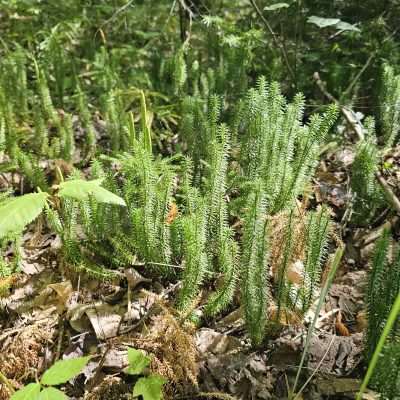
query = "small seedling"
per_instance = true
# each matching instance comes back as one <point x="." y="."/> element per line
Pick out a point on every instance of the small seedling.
<point x="150" y="386"/>
<point x="61" y="372"/>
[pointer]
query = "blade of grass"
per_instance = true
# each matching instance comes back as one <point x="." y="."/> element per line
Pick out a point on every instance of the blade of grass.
<point x="328" y="282"/>
<point x="296" y="397"/>
<point x="394" y="312"/>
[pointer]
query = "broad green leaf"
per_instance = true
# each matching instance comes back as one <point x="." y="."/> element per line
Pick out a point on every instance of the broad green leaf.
<point x="323" y="22"/>
<point x="137" y="362"/>
<point x="20" y="211"/>
<point x="64" y="370"/>
<point x="276" y="6"/>
<point x="52" y="394"/>
<point x="345" y="26"/>
<point x="29" y="392"/>
<point x="80" y="189"/>
<point x="150" y="388"/>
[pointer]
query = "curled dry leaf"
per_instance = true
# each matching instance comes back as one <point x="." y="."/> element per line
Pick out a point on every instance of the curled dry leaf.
<point x="103" y="318"/>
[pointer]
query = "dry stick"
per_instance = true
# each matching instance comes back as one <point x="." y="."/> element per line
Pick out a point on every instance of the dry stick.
<point x="277" y="41"/>
<point x="377" y="232"/>
<point x="392" y="198"/>
<point x="347" y="113"/>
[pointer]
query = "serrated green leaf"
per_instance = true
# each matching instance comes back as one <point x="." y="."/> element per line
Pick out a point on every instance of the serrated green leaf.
<point x="29" y="392"/>
<point x="16" y="213"/>
<point x="276" y="6"/>
<point x="80" y="189"/>
<point x="150" y="388"/>
<point x="323" y="22"/>
<point x="137" y="362"/>
<point x="64" y="370"/>
<point x="52" y="394"/>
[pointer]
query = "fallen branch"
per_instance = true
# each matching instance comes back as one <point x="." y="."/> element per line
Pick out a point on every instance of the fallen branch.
<point x="391" y="197"/>
<point x="377" y="232"/>
<point x="348" y="114"/>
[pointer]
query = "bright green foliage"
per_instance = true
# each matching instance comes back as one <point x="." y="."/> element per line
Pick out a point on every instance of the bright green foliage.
<point x="41" y="133"/>
<point x="378" y="309"/>
<point x="145" y="137"/>
<point x="276" y="146"/>
<point x="176" y="213"/>
<point x="297" y="295"/>
<point x="87" y="124"/>
<point x="194" y="254"/>
<point x="59" y="373"/>
<point x="368" y="196"/>
<point x="255" y="291"/>
<point x="149" y="387"/>
<point x="46" y="101"/>
<point x="29" y="392"/>
<point x="228" y="262"/>
<point x="51" y="393"/>
<point x="99" y="70"/>
<point x="200" y="116"/>
<point x="28" y="165"/>
<point x="18" y="212"/>
<point x="138" y="362"/>
<point x="148" y="190"/>
<point x="390" y="106"/>
<point x="383" y="287"/>
<point x="67" y="139"/>
<point x="386" y="378"/>
<point x="317" y="240"/>
<point x="81" y="190"/>
<point x="64" y="370"/>
<point x="222" y="249"/>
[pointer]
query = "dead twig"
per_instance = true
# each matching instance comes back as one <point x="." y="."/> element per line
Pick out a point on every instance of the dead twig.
<point x="377" y="233"/>
<point x="348" y="114"/>
<point x="391" y="197"/>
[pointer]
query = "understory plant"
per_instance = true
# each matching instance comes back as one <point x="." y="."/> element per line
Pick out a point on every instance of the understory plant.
<point x="249" y="158"/>
<point x="382" y="291"/>
<point x="60" y="373"/>
<point x="17" y="212"/>
<point x="368" y="195"/>
<point x="149" y="385"/>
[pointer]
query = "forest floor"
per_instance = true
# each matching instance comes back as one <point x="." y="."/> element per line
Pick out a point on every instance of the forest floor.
<point x="53" y="313"/>
<point x="84" y="82"/>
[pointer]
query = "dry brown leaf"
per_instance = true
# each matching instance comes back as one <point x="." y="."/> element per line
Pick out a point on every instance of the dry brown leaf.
<point x="104" y="319"/>
<point x="172" y="213"/>
<point x="341" y="328"/>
